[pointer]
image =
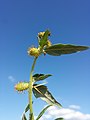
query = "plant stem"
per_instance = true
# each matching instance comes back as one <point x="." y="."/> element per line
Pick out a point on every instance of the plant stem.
<point x="30" y="89"/>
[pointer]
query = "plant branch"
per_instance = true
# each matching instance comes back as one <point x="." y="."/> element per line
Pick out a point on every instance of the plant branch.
<point x="30" y="89"/>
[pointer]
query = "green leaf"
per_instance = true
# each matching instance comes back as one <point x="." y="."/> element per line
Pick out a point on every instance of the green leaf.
<point x="43" y="40"/>
<point x="31" y="116"/>
<point x="38" y="77"/>
<point x="42" y="112"/>
<point x="24" y="117"/>
<point x="59" y="119"/>
<point x="60" y="49"/>
<point x="27" y="108"/>
<point x="43" y="93"/>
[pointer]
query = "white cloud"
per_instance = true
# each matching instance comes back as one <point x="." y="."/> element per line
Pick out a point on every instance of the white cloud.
<point x="67" y="113"/>
<point x="11" y="78"/>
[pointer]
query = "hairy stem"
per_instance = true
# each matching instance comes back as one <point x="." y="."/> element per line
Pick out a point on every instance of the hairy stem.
<point x="30" y="89"/>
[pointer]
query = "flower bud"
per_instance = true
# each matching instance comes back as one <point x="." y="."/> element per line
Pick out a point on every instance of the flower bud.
<point x="21" y="86"/>
<point x="41" y="34"/>
<point x="49" y="43"/>
<point x="33" y="52"/>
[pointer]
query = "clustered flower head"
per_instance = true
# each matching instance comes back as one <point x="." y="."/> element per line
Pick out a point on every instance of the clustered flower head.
<point x="21" y="86"/>
<point x="33" y="52"/>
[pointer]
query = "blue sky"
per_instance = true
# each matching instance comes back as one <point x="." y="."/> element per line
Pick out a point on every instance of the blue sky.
<point x="20" y="21"/>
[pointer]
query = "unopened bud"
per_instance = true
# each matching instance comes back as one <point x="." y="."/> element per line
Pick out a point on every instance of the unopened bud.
<point x="41" y="34"/>
<point x="49" y="43"/>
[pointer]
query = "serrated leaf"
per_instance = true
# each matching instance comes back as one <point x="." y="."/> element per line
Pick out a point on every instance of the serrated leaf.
<point x="59" y="119"/>
<point x="61" y="49"/>
<point x="42" y="112"/>
<point x="44" y="39"/>
<point x="38" y="77"/>
<point x="43" y="93"/>
<point x="24" y="117"/>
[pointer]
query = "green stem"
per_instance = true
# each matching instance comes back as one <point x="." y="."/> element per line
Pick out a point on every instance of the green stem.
<point x="30" y="89"/>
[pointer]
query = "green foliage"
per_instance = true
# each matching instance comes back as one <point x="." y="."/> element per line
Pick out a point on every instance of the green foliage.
<point x="27" y="108"/>
<point x="24" y="117"/>
<point x="31" y="116"/>
<point x="42" y="112"/>
<point x="38" y="77"/>
<point x="43" y="93"/>
<point x="61" y="49"/>
<point x="59" y="119"/>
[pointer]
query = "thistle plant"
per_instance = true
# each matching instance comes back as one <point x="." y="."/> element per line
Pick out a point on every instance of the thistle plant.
<point x="33" y="86"/>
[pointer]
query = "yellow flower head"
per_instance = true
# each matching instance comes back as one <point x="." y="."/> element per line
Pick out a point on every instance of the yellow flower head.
<point x="33" y="52"/>
<point x="21" y="86"/>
